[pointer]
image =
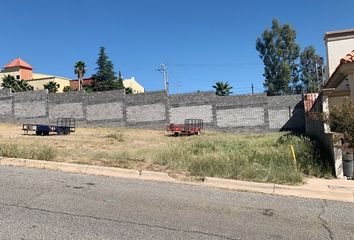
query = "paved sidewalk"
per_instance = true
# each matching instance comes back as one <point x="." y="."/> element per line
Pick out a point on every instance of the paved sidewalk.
<point x="331" y="189"/>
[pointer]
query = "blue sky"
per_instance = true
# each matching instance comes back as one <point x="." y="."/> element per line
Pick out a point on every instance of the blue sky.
<point x="201" y="41"/>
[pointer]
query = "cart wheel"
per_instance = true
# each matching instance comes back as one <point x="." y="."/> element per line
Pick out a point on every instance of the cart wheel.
<point x="67" y="131"/>
<point x="60" y="131"/>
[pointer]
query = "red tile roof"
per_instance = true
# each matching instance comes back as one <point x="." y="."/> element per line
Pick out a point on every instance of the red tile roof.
<point x="348" y="58"/>
<point x="18" y="62"/>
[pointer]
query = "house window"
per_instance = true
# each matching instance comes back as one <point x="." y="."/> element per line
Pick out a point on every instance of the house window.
<point x="18" y="77"/>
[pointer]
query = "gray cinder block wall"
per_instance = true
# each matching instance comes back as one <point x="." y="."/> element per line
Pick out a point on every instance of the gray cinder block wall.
<point x="155" y="109"/>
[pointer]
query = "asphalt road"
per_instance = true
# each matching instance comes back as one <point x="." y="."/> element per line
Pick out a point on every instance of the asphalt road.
<point x="41" y="204"/>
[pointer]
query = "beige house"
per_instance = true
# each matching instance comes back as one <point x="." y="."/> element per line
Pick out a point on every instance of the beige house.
<point x="340" y="66"/>
<point x="134" y="85"/>
<point x="338" y="84"/>
<point x="39" y="80"/>
<point x="21" y="70"/>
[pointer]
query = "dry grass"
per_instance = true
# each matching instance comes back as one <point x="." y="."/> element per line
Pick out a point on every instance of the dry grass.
<point x="129" y="148"/>
<point x="258" y="157"/>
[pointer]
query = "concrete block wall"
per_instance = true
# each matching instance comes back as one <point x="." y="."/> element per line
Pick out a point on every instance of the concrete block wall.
<point x="105" y="108"/>
<point x="6" y="105"/>
<point x="66" y="105"/>
<point x="155" y="109"/>
<point x="192" y="105"/>
<point x="147" y="109"/>
<point x="286" y="113"/>
<point x="242" y="112"/>
<point x="30" y="107"/>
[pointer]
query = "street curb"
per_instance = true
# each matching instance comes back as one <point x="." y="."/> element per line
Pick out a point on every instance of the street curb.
<point x="306" y="191"/>
<point x="239" y="185"/>
<point x="309" y="190"/>
<point x="87" y="169"/>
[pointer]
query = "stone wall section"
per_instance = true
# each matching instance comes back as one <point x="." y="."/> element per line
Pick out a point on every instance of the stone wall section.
<point x="147" y="109"/>
<point x="286" y="113"/>
<point x="6" y="105"/>
<point x="179" y="114"/>
<point x="240" y="117"/>
<point x="155" y="109"/>
<point x="30" y="105"/>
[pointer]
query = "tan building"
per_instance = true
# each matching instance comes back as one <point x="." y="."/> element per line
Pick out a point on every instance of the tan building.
<point x="134" y="85"/>
<point x="39" y="80"/>
<point x="340" y="66"/>
<point x="339" y="84"/>
<point x="21" y="70"/>
<point x="17" y="68"/>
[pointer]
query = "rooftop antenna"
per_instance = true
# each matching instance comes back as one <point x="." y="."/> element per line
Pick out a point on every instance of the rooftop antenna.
<point x="163" y="70"/>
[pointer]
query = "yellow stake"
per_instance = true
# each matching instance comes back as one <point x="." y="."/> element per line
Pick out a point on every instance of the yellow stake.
<point x="294" y="156"/>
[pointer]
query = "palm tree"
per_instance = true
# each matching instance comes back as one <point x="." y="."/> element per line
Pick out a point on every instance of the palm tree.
<point x="24" y="85"/>
<point x="52" y="86"/>
<point x="128" y="90"/>
<point x="8" y="81"/>
<point x="80" y="70"/>
<point x="222" y="89"/>
<point x="15" y="85"/>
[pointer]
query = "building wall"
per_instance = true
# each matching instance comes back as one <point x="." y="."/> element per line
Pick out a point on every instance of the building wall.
<point x="320" y="132"/>
<point x="337" y="48"/>
<point x="38" y="83"/>
<point x="5" y="73"/>
<point x="134" y="85"/>
<point x="254" y="113"/>
<point x="26" y="74"/>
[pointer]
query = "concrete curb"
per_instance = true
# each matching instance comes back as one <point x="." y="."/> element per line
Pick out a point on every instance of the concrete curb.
<point x="339" y="190"/>
<point x="321" y="189"/>
<point x="239" y="185"/>
<point x="87" y="169"/>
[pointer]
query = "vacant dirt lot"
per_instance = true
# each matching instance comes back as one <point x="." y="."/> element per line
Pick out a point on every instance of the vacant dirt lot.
<point x="128" y="148"/>
<point x="260" y="157"/>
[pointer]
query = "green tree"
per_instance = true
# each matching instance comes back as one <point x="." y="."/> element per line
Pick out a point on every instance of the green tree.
<point x="80" y="70"/>
<point x="279" y="52"/>
<point x="104" y="78"/>
<point x="52" y="86"/>
<point x="119" y="83"/>
<point x="222" y="89"/>
<point x="15" y="85"/>
<point x="311" y="66"/>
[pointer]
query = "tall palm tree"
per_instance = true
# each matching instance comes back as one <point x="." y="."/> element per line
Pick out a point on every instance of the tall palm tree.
<point x="222" y="89"/>
<point x="80" y="70"/>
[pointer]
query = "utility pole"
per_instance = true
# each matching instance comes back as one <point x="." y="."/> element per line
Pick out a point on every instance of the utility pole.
<point x="252" y="88"/>
<point x="163" y="70"/>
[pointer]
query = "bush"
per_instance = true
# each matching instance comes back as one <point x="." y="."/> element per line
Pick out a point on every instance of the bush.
<point x="259" y="157"/>
<point x="116" y="135"/>
<point x="39" y="153"/>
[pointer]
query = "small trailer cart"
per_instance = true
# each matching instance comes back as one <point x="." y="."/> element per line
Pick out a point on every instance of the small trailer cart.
<point x="63" y="126"/>
<point x="190" y="127"/>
